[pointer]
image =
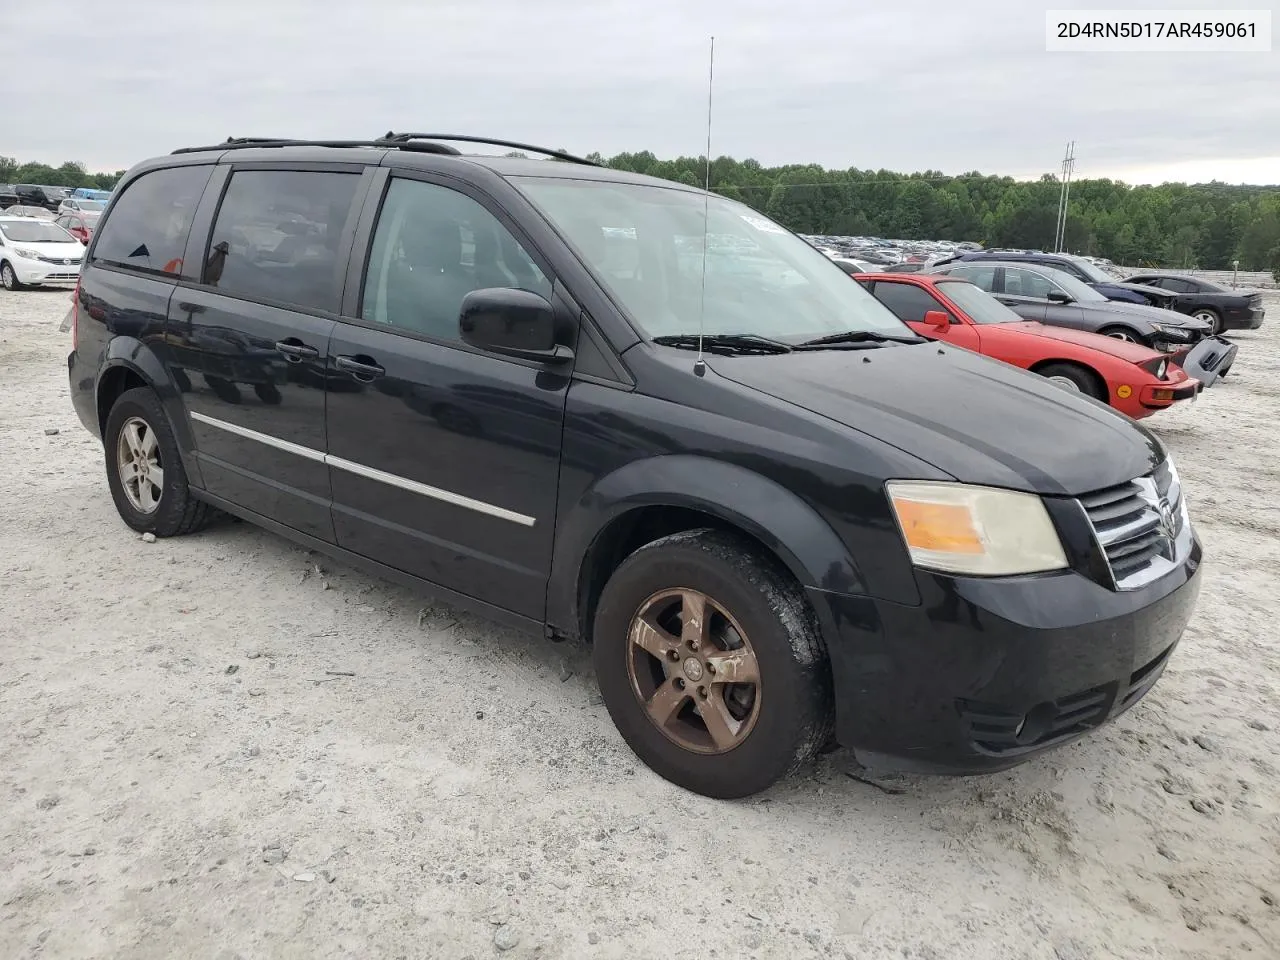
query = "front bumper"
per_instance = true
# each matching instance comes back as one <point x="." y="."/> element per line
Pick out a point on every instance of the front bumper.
<point x="1209" y="360"/>
<point x="986" y="673"/>
<point x="42" y="271"/>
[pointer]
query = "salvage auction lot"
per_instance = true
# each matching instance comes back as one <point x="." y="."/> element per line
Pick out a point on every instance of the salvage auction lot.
<point x="223" y="746"/>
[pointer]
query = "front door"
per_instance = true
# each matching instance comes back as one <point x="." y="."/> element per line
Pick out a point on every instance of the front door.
<point x="444" y="460"/>
<point x="248" y="347"/>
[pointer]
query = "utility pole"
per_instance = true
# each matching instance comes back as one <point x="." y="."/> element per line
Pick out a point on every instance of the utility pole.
<point x="1064" y="195"/>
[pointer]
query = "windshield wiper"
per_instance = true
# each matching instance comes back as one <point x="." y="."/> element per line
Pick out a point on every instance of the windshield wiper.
<point x="855" y="336"/>
<point x="725" y="343"/>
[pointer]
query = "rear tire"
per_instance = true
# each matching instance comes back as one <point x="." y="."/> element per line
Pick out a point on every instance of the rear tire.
<point x="756" y="624"/>
<point x="1068" y="376"/>
<point x="138" y="432"/>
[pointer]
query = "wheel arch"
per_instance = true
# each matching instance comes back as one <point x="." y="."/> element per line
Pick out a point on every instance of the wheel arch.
<point x="649" y="499"/>
<point x="1098" y="379"/>
<point x="130" y="363"/>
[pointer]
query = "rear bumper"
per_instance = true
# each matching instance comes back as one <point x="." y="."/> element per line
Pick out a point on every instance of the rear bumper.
<point x="83" y="392"/>
<point x="986" y="673"/>
<point x="1244" y="320"/>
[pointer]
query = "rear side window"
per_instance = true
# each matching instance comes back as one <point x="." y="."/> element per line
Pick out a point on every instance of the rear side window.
<point x="907" y="301"/>
<point x="148" y="227"/>
<point x="277" y="236"/>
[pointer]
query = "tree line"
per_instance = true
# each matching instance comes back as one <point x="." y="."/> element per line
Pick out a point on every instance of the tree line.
<point x="1172" y="225"/>
<point x="1205" y="225"/>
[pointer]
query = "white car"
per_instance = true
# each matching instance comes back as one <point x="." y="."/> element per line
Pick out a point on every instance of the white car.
<point x="36" y="251"/>
<point x="77" y="205"/>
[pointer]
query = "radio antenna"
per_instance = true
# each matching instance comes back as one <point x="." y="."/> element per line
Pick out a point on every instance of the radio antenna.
<point x="700" y="365"/>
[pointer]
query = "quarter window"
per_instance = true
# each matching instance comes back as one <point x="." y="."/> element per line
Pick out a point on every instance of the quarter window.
<point x="432" y="246"/>
<point x="148" y="226"/>
<point x="1024" y="283"/>
<point x="277" y="236"/>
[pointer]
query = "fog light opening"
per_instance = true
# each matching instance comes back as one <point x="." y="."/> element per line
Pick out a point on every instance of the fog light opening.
<point x="1035" y="724"/>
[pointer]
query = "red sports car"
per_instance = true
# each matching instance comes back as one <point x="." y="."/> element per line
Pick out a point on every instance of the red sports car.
<point x="1135" y="380"/>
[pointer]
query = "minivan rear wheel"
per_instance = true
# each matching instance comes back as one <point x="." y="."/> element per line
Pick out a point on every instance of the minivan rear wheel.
<point x="144" y="469"/>
<point x="710" y="663"/>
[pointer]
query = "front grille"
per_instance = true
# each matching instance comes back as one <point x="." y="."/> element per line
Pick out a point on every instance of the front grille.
<point x="1000" y="732"/>
<point x="1136" y="524"/>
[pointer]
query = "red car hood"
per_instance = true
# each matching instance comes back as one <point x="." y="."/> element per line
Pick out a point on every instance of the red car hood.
<point x="1120" y="349"/>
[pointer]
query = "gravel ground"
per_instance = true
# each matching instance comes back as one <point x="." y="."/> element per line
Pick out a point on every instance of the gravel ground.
<point x="183" y="776"/>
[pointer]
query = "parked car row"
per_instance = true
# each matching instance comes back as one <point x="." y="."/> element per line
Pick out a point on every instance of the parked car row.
<point x="783" y="517"/>
<point x="50" y="198"/>
<point x="1221" y="308"/>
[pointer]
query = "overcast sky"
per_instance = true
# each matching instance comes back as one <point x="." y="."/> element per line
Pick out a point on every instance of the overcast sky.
<point x="926" y="84"/>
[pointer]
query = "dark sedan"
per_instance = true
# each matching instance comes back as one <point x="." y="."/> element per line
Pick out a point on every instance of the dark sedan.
<point x="1221" y="307"/>
<point x="1079" y="268"/>
<point x="1057" y="298"/>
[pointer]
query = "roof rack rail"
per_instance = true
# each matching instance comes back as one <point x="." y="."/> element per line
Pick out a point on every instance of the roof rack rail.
<point x="401" y="138"/>
<point x="415" y="142"/>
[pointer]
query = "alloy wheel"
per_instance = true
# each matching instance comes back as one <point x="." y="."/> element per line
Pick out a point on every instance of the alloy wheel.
<point x="8" y="278"/>
<point x="138" y="461"/>
<point x="1123" y="335"/>
<point x="693" y="670"/>
<point x="1066" y="383"/>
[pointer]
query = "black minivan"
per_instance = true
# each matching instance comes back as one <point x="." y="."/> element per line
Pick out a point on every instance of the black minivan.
<point x="616" y="408"/>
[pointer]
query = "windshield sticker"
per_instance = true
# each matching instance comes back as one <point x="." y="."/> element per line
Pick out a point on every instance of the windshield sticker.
<point x="764" y="226"/>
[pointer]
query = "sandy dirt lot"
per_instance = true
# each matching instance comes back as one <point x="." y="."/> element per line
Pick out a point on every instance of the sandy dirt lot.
<point x="181" y="776"/>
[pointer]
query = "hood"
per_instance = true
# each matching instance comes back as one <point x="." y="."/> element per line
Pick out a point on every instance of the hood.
<point x="1120" y="349"/>
<point x="980" y="420"/>
<point x="1141" y="311"/>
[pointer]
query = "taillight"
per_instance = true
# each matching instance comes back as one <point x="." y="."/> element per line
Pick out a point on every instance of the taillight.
<point x="75" y="317"/>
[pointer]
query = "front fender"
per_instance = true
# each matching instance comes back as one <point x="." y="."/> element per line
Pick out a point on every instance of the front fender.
<point x="766" y="510"/>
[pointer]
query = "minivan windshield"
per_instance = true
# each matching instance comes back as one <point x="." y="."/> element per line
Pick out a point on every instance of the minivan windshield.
<point x="645" y="244"/>
<point x="34" y="231"/>
<point x="1092" y="273"/>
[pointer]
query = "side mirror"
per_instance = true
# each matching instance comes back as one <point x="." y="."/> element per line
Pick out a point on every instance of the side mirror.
<point x="1057" y="296"/>
<point x="937" y="318"/>
<point x="515" y="323"/>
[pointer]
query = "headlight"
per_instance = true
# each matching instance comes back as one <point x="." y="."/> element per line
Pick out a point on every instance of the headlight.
<point x="1177" y="333"/>
<point x="983" y="531"/>
<point x="1162" y="368"/>
<point x="26" y="254"/>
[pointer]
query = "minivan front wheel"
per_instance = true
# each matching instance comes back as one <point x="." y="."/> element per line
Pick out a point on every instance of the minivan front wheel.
<point x="144" y="469"/>
<point x="710" y="664"/>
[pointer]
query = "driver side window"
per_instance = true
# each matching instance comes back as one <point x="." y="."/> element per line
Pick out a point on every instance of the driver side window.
<point x="432" y="246"/>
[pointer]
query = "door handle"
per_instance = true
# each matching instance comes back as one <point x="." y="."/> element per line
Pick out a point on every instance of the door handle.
<point x="189" y="307"/>
<point x="295" y="350"/>
<point x="362" y="368"/>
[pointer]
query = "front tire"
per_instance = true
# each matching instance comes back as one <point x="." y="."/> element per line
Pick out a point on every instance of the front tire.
<point x="1068" y="376"/>
<point x="10" y="279"/>
<point x="144" y="469"/>
<point x="1122" y="333"/>
<point x="711" y="665"/>
<point x="1210" y="317"/>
